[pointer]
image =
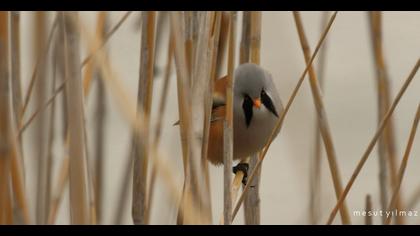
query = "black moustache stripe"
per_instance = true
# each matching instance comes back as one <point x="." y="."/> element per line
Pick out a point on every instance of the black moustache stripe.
<point x="266" y="100"/>
<point x="247" y="106"/>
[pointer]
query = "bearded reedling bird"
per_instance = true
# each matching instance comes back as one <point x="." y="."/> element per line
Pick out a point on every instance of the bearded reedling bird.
<point x="256" y="109"/>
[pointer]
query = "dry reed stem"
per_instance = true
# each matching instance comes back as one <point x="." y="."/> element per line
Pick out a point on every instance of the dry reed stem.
<point x="368" y="208"/>
<point x="194" y="178"/>
<point x="245" y="37"/>
<point x="100" y="119"/>
<point x="222" y="41"/>
<point x="56" y="198"/>
<point x="392" y="205"/>
<point x="18" y="182"/>
<point x="41" y="58"/>
<point x="382" y="154"/>
<point x="136" y="121"/>
<point x="214" y="43"/>
<point x="200" y="95"/>
<point x="5" y="111"/>
<point x="252" y="200"/>
<point x="283" y="114"/>
<point x="15" y="65"/>
<point x="63" y="174"/>
<point x="17" y="166"/>
<point x="386" y="143"/>
<point x="322" y="121"/>
<point x="144" y="102"/>
<point x="79" y="193"/>
<point x="158" y="127"/>
<point x="228" y="125"/>
<point x="106" y="38"/>
<point x="372" y="143"/>
<point x="41" y="123"/>
<point x="315" y="171"/>
<point x="50" y="144"/>
<point x="124" y="188"/>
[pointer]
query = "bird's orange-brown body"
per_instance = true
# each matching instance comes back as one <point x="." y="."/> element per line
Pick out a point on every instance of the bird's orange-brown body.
<point x="215" y="145"/>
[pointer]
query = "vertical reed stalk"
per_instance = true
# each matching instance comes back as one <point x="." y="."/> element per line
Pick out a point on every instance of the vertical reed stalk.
<point x="41" y="121"/>
<point x="373" y="141"/>
<point x="158" y="128"/>
<point x="202" y="26"/>
<point x="392" y="205"/>
<point x="228" y="125"/>
<point x="194" y="184"/>
<point x="50" y="144"/>
<point x="79" y="207"/>
<point x="144" y="101"/>
<point x="315" y="171"/>
<point x="21" y="217"/>
<point x="5" y="122"/>
<point x="99" y="125"/>
<point x="279" y="124"/>
<point x="15" y="66"/>
<point x="322" y="121"/>
<point x="386" y="143"/>
<point x="252" y="199"/>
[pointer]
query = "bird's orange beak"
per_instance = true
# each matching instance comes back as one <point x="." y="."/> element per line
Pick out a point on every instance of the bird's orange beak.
<point x="257" y="103"/>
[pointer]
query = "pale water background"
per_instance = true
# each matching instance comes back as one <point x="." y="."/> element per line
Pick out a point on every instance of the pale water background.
<point x="350" y="102"/>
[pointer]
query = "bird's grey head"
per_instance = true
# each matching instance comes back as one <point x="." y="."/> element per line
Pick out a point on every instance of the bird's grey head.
<point x="253" y="82"/>
<point x="250" y="79"/>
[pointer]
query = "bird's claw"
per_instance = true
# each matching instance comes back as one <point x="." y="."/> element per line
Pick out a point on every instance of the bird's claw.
<point x="244" y="168"/>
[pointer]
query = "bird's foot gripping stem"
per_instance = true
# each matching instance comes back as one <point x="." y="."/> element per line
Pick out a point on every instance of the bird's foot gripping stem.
<point x="244" y="168"/>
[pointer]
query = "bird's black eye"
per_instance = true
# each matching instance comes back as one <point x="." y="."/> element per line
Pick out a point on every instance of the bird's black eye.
<point x="266" y="100"/>
<point x="247" y="107"/>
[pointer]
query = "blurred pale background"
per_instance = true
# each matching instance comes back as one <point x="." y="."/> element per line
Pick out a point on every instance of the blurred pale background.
<point x="349" y="96"/>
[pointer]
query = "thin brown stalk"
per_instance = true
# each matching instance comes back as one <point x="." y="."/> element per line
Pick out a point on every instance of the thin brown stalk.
<point x="63" y="174"/>
<point x="125" y="103"/>
<point x="144" y="102"/>
<point x="252" y="200"/>
<point x="40" y="109"/>
<point x="124" y="189"/>
<point x="392" y="205"/>
<point x="106" y="38"/>
<point x="158" y="127"/>
<point x="208" y="100"/>
<point x="322" y="121"/>
<point x="368" y="208"/>
<point x="15" y="66"/>
<point x="50" y="145"/>
<point x="245" y="37"/>
<point x="386" y="143"/>
<point x="18" y="182"/>
<point x="41" y="122"/>
<point x="59" y="193"/>
<point x="5" y="122"/>
<point x="162" y="21"/>
<point x="228" y="125"/>
<point x="100" y="122"/>
<point x="279" y="124"/>
<point x="202" y="27"/>
<point x="372" y="143"/>
<point x="136" y="121"/>
<point x="8" y="210"/>
<point x="222" y="40"/>
<point x="315" y="171"/>
<point x="17" y="100"/>
<point x="194" y="179"/>
<point x="40" y="59"/>
<point x="78" y="169"/>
